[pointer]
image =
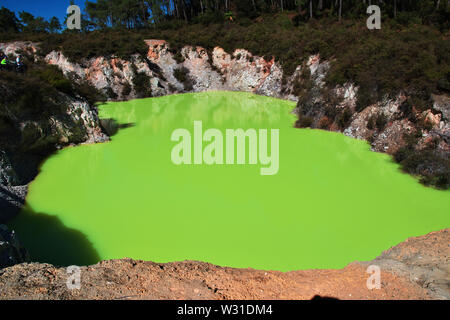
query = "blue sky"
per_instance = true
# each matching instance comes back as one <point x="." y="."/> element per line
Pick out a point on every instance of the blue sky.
<point x="42" y="8"/>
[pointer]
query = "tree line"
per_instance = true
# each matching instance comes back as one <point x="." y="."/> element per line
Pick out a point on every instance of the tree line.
<point x="133" y="14"/>
<point x="140" y="14"/>
<point x="26" y="22"/>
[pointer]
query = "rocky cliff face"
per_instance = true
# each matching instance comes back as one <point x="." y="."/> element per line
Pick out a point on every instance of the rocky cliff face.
<point x="390" y="138"/>
<point x="79" y="124"/>
<point x="394" y="121"/>
<point x="239" y="71"/>
<point x="78" y="110"/>
<point x="11" y="250"/>
<point x="70" y="120"/>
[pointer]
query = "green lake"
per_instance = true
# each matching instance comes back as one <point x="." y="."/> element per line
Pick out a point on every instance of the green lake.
<point x="332" y="201"/>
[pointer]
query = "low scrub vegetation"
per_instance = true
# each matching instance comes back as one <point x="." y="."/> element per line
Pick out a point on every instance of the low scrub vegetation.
<point x="141" y="84"/>
<point x="429" y="164"/>
<point x="34" y="99"/>
<point x="182" y="75"/>
<point x="401" y="56"/>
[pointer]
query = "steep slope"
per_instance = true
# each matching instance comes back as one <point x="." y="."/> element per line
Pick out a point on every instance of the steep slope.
<point x="40" y="112"/>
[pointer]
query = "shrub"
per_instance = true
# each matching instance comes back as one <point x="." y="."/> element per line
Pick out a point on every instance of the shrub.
<point x="381" y="121"/>
<point x="304" y="122"/>
<point x="331" y="112"/>
<point x="371" y="122"/>
<point x="429" y="164"/>
<point x="91" y="94"/>
<point x="424" y="124"/>
<point x="54" y="77"/>
<point x="126" y="90"/>
<point x="325" y="123"/>
<point x="182" y="75"/>
<point x="111" y="94"/>
<point x="364" y="98"/>
<point x="344" y="117"/>
<point x="177" y="56"/>
<point x="141" y="84"/>
<point x="172" y="88"/>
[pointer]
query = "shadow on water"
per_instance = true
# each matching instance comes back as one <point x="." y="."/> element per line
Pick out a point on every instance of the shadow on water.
<point x="111" y="126"/>
<point x="49" y="241"/>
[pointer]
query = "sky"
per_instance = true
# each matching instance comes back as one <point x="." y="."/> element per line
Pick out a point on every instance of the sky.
<point x="41" y="8"/>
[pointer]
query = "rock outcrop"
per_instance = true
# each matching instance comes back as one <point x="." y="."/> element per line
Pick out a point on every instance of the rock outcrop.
<point x="8" y="175"/>
<point x="422" y="260"/>
<point x="19" y="47"/>
<point x="11" y="250"/>
<point x="390" y="138"/>
<point x="418" y="136"/>
<point x="239" y="71"/>
<point x="408" y="271"/>
<point x="70" y="120"/>
<point x="79" y="124"/>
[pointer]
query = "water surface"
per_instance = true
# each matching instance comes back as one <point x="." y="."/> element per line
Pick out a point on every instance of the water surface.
<point x="332" y="202"/>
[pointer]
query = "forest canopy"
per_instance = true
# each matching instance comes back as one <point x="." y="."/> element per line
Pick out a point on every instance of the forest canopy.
<point x="139" y="14"/>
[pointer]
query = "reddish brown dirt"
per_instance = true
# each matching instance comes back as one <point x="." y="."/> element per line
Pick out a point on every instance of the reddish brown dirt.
<point x="415" y="269"/>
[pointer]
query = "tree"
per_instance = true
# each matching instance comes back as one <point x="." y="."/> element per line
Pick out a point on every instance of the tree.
<point x="9" y="21"/>
<point x="54" y="25"/>
<point x="32" y="24"/>
<point x="135" y="14"/>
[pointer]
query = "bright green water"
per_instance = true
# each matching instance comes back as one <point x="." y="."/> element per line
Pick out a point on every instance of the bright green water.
<point x="333" y="201"/>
